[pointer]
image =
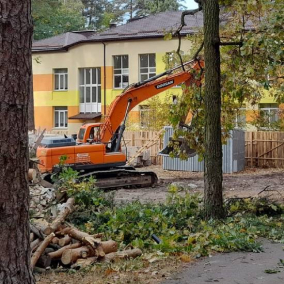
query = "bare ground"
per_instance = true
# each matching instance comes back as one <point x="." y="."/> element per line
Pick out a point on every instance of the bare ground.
<point x="249" y="183"/>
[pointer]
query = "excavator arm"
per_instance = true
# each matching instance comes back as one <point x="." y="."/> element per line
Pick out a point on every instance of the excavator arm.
<point x="142" y="91"/>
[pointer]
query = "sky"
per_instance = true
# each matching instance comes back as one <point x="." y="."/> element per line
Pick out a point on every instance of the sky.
<point x="190" y="4"/>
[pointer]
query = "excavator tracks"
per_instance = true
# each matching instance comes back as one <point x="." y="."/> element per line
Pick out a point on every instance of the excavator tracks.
<point x="121" y="178"/>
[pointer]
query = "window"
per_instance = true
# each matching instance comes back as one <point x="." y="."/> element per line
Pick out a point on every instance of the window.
<point x="90" y="90"/>
<point x="173" y="60"/>
<point x="121" y="71"/>
<point x="241" y="118"/>
<point x="269" y="114"/>
<point x="60" y="79"/>
<point x="147" y="66"/>
<point x="60" y="117"/>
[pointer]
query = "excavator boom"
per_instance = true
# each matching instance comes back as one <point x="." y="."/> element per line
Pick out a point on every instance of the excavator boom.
<point x="142" y="91"/>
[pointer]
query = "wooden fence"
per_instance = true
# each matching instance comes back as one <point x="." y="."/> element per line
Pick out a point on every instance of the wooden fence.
<point x="140" y="138"/>
<point x="265" y="149"/>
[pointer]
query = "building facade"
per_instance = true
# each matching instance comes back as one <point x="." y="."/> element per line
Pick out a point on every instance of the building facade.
<point x="77" y="75"/>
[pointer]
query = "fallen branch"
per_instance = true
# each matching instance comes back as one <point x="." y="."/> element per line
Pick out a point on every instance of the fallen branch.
<point x="40" y="249"/>
<point x="36" y="231"/>
<point x="64" y="241"/>
<point x="35" y="244"/>
<point x="70" y="256"/>
<point x="57" y="254"/>
<point x="68" y="208"/>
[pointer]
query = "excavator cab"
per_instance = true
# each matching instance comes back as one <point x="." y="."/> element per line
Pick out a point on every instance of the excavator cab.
<point x="94" y="135"/>
<point x="89" y="133"/>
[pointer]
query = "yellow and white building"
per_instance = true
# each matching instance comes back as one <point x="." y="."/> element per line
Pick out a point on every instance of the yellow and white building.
<point x="76" y="75"/>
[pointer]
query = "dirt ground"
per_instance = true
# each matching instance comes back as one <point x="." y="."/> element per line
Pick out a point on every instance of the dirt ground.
<point x="248" y="183"/>
<point x="251" y="182"/>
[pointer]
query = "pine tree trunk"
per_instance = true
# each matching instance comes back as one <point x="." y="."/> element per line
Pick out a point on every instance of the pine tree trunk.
<point x="213" y="199"/>
<point x="15" y="77"/>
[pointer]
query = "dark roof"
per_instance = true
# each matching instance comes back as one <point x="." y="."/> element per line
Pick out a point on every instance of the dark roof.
<point x="86" y="115"/>
<point x="153" y="26"/>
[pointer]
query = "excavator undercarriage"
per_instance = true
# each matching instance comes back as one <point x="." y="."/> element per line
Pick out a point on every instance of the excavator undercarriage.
<point x="117" y="177"/>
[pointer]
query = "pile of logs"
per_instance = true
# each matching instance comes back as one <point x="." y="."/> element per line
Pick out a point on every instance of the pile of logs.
<point x="60" y="244"/>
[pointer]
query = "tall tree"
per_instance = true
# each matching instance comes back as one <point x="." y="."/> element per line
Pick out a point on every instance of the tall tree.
<point x="15" y="74"/>
<point x="156" y="6"/>
<point x="213" y="199"/>
<point x="206" y="123"/>
<point x="53" y="17"/>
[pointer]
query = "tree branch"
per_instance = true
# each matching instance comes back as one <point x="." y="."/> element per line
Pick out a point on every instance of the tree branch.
<point x="198" y="50"/>
<point x="186" y="13"/>
<point x="239" y="43"/>
<point x="220" y="43"/>
<point x="177" y="32"/>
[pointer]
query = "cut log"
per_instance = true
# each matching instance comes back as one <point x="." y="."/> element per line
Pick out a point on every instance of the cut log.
<point x="70" y="256"/>
<point x="64" y="241"/>
<point x="41" y="249"/>
<point x="55" y="241"/>
<point x="55" y="247"/>
<point x="63" y="231"/>
<point x="99" y="252"/>
<point x="32" y="236"/>
<point x="44" y="261"/>
<point x="36" y="231"/>
<point x="109" y="246"/>
<point x="82" y="263"/>
<point x="132" y="253"/>
<point x="58" y="253"/>
<point x="39" y="227"/>
<point x="35" y="244"/>
<point x="68" y="208"/>
<point x="85" y="238"/>
<point x="48" y="250"/>
<point x="32" y="174"/>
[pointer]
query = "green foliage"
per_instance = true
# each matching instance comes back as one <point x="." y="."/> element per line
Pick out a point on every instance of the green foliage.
<point x="248" y="72"/>
<point x="179" y="224"/>
<point x="155" y="115"/>
<point x="266" y="121"/>
<point x="53" y="17"/>
<point x="156" y="6"/>
<point x="85" y="192"/>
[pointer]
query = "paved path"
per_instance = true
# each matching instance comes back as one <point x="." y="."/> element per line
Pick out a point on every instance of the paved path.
<point x="235" y="268"/>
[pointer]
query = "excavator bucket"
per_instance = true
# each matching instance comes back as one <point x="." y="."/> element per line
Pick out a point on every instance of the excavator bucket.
<point x="183" y="145"/>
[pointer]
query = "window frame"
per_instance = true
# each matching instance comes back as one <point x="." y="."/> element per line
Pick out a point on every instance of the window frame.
<point x="61" y="76"/>
<point x="84" y="85"/>
<point x="61" y="112"/>
<point x="238" y="123"/>
<point x="269" y="109"/>
<point x="124" y="71"/>
<point x="148" y="67"/>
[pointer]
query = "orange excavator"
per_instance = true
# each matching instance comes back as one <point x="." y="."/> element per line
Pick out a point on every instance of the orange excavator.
<point x="97" y="151"/>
